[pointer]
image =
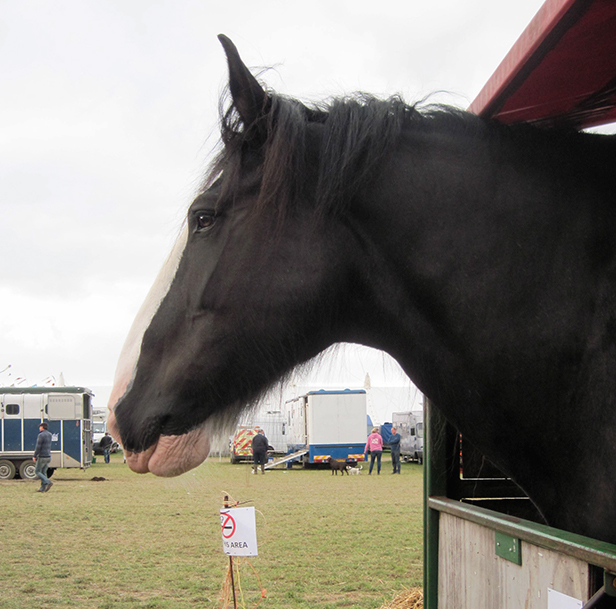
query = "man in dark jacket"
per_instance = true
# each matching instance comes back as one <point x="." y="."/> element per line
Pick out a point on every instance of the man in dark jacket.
<point x="260" y="445"/>
<point x="394" y="445"/>
<point x="105" y="444"/>
<point x="42" y="457"/>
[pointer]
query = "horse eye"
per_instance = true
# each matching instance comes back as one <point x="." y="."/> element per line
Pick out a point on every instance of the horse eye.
<point x="205" y="220"/>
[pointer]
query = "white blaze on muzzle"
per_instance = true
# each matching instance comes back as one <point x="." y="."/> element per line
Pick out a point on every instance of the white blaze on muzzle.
<point x="127" y="363"/>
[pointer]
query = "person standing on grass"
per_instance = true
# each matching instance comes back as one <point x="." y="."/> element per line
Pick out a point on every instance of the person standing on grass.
<point x="394" y="445"/>
<point x="105" y="444"/>
<point x="260" y="445"/>
<point x="42" y="457"/>
<point x="375" y="446"/>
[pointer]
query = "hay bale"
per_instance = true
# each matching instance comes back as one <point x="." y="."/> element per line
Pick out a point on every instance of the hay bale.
<point x="411" y="598"/>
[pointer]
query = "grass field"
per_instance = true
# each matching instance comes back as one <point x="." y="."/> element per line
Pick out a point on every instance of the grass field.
<point x="143" y="542"/>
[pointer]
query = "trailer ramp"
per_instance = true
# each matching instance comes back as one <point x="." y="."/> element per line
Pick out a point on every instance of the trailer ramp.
<point x="286" y="458"/>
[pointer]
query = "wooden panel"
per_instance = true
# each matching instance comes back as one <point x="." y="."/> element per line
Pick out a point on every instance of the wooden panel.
<point x="585" y="549"/>
<point x="472" y="576"/>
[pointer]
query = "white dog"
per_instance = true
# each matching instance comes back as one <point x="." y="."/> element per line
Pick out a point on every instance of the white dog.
<point x="355" y="470"/>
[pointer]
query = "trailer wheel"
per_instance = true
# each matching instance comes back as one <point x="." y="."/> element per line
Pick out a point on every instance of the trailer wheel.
<point x="50" y="471"/>
<point x="7" y="470"/>
<point x="27" y="470"/>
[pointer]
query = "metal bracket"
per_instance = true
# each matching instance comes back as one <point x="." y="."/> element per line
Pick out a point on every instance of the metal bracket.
<point x="508" y="547"/>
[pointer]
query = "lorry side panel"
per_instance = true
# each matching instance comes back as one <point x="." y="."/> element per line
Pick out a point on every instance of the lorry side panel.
<point x="55" y="429"/>
<point x="31" y="432"/>
<point x="71" y="440"/>
<point x="12" y="434"/>
<point x="340" y="452"/>
<point x="296" y="424"/>
<point x="12" y="413"/>
<point x="337" y="418"/>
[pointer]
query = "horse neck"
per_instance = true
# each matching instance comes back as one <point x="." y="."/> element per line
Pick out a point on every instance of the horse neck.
<point x="478" y="277"/>
<point x="411" y="221"/>
<point x="452" y="214"/>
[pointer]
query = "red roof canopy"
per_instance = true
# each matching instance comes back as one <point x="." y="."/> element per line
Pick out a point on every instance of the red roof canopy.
<point x="562" y="69"/>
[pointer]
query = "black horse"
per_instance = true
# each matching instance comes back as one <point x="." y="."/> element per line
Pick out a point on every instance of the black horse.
<point x="480" y="256"/>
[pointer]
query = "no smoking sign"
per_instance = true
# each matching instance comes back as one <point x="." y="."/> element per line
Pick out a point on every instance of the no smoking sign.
<point x="239" y="531"/>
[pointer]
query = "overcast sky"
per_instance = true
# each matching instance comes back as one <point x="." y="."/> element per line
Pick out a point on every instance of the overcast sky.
<point x="108" y="115"/>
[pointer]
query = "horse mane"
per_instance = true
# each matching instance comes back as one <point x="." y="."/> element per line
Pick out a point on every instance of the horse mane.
<point x="359" y="131"/>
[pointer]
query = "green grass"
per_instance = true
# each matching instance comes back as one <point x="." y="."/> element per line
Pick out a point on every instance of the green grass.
<point x="150" y="543"/>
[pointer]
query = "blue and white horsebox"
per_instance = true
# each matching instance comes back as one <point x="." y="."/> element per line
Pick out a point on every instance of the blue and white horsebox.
<point x="323" y="424"/>
<point x="68" y="413"/>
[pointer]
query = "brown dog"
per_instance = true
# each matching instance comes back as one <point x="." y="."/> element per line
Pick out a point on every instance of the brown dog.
<point x="336" y="466"/>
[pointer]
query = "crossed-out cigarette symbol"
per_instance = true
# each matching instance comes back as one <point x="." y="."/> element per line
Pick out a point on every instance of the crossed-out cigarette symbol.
<point x="228" y="525"/>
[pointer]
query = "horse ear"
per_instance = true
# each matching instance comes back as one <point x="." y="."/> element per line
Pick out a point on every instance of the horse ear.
<point x="248" y="96"/>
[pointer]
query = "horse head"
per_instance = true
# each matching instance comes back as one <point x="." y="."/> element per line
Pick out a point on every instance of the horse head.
<point x="256" y="284"/>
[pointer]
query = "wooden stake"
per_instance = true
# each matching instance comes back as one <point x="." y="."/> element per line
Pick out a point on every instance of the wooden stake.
<point x="232" y="582"/>
<point x="226" y="505"/>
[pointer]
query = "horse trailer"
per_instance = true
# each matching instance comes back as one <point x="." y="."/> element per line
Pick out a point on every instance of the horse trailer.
<point x="410" y="427"/>
<point x="324" y="424"/>
<point x="68" y="413"/>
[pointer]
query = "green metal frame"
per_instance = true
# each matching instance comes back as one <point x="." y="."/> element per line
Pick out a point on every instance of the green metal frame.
<point x="435" y="485"/>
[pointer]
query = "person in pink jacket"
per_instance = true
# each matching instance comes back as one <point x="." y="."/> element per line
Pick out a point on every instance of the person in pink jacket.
<point x="375" y="446"/>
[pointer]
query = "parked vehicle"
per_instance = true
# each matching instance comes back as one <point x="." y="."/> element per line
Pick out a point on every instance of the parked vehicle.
<point x="272" y="423"/>
<point x="97" y="450"/>
<point x="385" y="431"/>
<point x="324" y="424"/>
<point x="241" y="444"/>
<point x="99" y="428"/>
<point x="410" y="426"/>
<point x="99" y="424"/>
<point x="68" y="413"/>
